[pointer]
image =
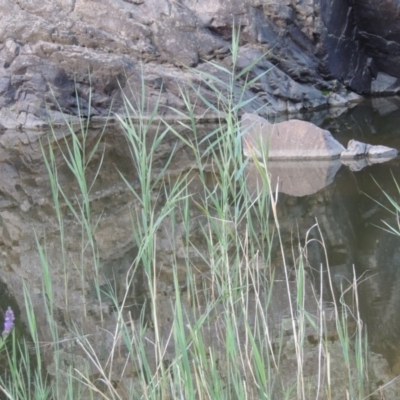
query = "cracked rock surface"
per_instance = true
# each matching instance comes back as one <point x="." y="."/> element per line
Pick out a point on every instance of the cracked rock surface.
<point x="55" y="51"/>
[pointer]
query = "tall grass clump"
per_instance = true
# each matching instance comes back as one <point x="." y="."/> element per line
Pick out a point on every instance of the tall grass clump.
<point x="232" y="320"/>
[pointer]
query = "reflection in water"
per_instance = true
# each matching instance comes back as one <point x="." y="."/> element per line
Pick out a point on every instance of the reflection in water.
<point x="379" y="259"/>
<point x="295" y="178"/>
<point x="345" y="216"/>
<point x="369" y="122"/>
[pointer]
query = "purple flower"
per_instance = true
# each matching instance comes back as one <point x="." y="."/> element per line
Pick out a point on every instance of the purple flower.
<point x="8" y="321"/>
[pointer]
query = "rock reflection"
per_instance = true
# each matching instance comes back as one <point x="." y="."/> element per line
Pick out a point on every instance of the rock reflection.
<point x="295" y="178"/>
<point x="379" y="262"/>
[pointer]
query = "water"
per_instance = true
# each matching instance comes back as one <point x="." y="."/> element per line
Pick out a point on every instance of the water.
<point x="360" y="207"/>
<point x="345" y="206"/>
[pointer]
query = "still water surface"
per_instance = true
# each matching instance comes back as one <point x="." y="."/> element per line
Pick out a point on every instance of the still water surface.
<point x="346" y="209"/>
<point x="355" y="217"/>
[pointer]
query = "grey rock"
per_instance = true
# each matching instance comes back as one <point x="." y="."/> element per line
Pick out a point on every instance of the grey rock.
<point x="353" y="98"/>
<point x="385" y="84"/>
<point x="355" y="149"/>
<point x="53" y="52"/>
<point x="344" y="99"/>
<point x="49" y="48"/>
<point x="346" y="58"/>
<point x="287" y="140"/>
<point x="335" y="100"/>
<point x="378" y="27"/>
<point x="381" y="153"/>
<point x="299" y="140"/>
<point x="359" y="155"/>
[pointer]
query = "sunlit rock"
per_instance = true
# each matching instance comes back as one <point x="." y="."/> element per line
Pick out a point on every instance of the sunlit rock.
<point x="300" y="140"/>
<point x="294" y="139"/>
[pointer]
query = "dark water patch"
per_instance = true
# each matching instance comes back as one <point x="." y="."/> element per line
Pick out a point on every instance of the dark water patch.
<point x="374" y="121"/>
<point x="353" y="216"/>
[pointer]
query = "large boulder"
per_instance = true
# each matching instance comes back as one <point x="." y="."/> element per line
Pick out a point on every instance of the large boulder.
<point x="294" y="140"/>
<point x="301" y="140"/>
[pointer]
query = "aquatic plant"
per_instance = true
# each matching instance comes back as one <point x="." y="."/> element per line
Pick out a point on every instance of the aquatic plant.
<point x="215" y="336"/>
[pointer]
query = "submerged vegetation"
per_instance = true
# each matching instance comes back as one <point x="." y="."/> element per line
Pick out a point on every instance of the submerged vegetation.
<point x="240" y="321"/>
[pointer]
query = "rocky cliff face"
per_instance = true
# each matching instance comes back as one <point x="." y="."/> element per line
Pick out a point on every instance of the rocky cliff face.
<point x="379" y="33"/>
<point x="53" y="51"/>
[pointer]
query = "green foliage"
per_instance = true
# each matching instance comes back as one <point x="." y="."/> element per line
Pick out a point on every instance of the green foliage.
<point x="247" y="360"/>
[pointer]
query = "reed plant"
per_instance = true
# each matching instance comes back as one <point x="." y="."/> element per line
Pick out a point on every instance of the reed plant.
<point x="235" y="324"/>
